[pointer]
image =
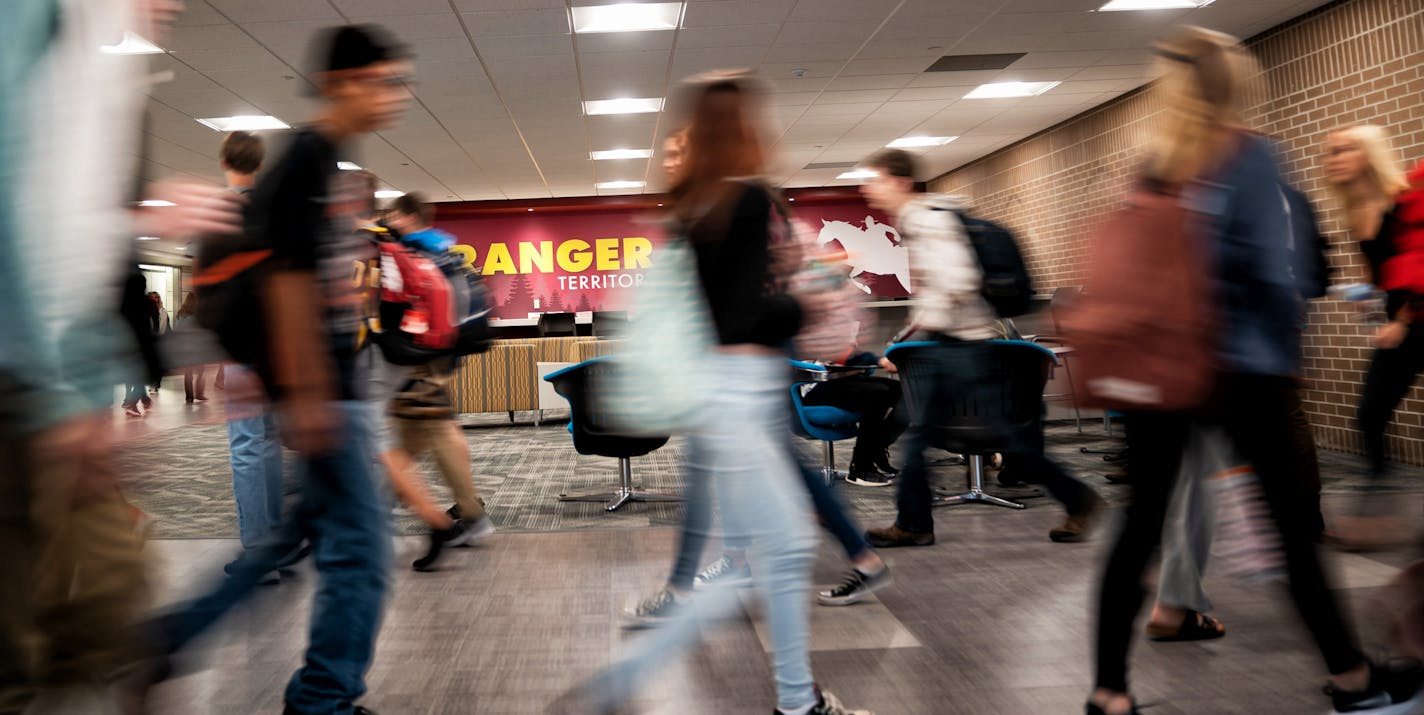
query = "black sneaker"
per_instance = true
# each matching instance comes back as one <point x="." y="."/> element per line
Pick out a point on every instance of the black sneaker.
<point x="724" y="570"/>
<point x="868" y="477"/>
<point x="829" y="704"/>
<point x="1393" y="690"/>
<point x="439" y="539"/>
<point x="467" y="531"/>
<point x="654" y="610"/>
<point x="856" y="586"/>
<point x="882" y="463"/>
<point x="295" y="557"/>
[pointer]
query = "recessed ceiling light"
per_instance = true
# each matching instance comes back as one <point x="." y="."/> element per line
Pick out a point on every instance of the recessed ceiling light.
<point x="918" y="142"/>
<point x="389" y="194"/>
<point x="859" y="174"/>
<point x="627" y="17"/>
<point x="150" y="203"/>
<point x="531" y="210"/>
<point x="793" y="198"/>
<point x="620" y="154"/>
<point x="348" y="166"/>
<point x="626" y="105"/>
<point x="148" y="238"/>
<point x="244" y="123"/>
<point x="619" y="185"/>
<point x="132" y="45"/>
<point x="1000" y="90"/>
<point x="1153" y="5"/>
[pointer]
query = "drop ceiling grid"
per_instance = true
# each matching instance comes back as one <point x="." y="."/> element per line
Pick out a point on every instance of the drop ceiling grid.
<point x="499" y="77"/>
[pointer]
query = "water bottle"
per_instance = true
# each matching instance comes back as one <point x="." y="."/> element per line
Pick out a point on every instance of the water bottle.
<point x="1369" y="300"/>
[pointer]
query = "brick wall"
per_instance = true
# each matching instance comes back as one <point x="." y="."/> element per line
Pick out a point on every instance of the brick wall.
<point x="1354" y="61"/>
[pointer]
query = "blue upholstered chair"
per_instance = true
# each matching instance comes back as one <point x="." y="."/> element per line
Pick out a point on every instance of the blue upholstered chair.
<point x="1005" y="403"/>
<point x="824" y="423"/>
<point x="593" y="435"/>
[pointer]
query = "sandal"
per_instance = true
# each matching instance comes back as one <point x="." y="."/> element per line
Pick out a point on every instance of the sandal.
<point x="1194" y="627"/>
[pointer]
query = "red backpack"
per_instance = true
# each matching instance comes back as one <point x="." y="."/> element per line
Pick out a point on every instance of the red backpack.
<point x="1143" y="329"/>
<point x="431" y="306"/>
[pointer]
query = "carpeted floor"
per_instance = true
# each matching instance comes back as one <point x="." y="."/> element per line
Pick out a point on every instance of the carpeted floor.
<point x="181" y="477"/>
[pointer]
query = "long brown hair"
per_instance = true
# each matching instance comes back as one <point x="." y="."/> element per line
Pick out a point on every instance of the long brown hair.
<point x="724" y="139"/>
<point x="1205" y="84"/>
<point x="190" y="305"/>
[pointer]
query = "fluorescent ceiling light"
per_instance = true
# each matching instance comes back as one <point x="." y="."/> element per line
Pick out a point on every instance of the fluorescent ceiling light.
<point x="917" y="142"/>
<point x="156" y="202"/>
<point x="1000" y="90"/>
<point x="859" y="174"/>
<point x="619" y="185"/>
<point x="148" y="238"/>
<point x="620" y="154"/>
<point x="623" y="106"/>
<point x="132" y="45"/>
<point x="1153" y="5"/>
<point x="348" y="166"/>
<point x="389" y="194"/>
<point x="151" y="267"/>
<point x="244" y="123"/>
<point x="627" y="17"/>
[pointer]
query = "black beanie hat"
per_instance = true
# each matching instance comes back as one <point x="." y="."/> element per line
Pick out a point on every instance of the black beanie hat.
<point x="353" y="46"/>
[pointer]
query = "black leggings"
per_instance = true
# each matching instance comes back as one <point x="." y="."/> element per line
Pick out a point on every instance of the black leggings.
<point x="1255" y="412"/>
<point x="1390" y="376"/>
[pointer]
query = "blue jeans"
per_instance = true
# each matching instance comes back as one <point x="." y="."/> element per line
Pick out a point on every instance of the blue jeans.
<point x="742" y="450"/>
<point x="341" y="513"/>
<point x="133" y="394"/>
<point x="255" y="453"/>
<point x="953" y="369"/>
<point x="697" y="520"/>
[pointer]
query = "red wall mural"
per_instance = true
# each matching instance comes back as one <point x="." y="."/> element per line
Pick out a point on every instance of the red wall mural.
<point x="590" y="254"/>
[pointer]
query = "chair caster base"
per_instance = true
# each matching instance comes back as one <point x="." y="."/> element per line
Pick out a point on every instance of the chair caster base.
<point x="976" y="497"/>
<point x="617" y="499"/>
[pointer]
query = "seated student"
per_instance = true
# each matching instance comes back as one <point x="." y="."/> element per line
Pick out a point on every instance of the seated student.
<point x="880" y="403"/>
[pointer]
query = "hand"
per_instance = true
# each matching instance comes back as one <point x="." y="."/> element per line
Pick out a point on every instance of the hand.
<point x="886" y="365"/>
<point x="199" y="209"/>
<point x="1391" y="335"/>
<point x="309" y="426"/>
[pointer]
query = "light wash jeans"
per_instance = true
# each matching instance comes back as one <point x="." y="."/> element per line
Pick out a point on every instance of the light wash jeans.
<point x="1192" y="521"/>
<point x="255" y="453"/>
<point x="741" y="450"/>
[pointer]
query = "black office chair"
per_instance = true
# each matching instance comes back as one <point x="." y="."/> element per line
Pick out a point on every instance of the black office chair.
<point x="996" y="416"/>
<point x="592" y="435"/>
<point x="609" y="323"/>
<point x="557" y="324"/>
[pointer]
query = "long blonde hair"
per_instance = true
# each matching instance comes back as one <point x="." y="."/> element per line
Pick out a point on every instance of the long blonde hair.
<point x="1383" y="170"/>
<point x="1206" y="81"/>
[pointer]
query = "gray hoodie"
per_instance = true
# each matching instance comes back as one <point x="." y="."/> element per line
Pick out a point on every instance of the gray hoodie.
<point x="944" y="270"/>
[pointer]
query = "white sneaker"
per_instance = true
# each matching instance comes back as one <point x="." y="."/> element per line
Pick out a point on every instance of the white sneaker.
<point x="471" y="531"/>
<point x="723" y="570"/>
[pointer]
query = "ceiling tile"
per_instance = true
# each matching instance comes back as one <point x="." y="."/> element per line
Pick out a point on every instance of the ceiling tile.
<point x="412" y="27"/>
<point x="723" y="36"/>
<point x="625" y="41"/>
<point x="520" y="22"/>
<point x="243" y="11"/>
<point x="378" y="8"/>
<point x="736" y="12"/>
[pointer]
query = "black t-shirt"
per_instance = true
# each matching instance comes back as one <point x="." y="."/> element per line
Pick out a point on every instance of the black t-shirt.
<point x="733" y="247"/>
<point x="307" y="209"/>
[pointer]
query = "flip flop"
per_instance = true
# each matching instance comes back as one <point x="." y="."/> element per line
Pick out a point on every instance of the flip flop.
<point x="1194" y="627"/>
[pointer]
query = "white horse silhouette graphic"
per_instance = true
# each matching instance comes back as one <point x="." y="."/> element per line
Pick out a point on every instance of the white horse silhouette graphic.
<point x="874" y="249"/>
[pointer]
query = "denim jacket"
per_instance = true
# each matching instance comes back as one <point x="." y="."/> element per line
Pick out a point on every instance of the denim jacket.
<point x="1249" y="222"/>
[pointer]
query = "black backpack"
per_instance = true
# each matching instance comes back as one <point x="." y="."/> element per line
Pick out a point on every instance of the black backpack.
<point x="229" y="275"/>
<point x="1007" y="286"/>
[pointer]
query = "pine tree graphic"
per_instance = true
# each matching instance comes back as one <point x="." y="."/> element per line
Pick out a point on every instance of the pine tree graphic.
<point x="520" y="299"/>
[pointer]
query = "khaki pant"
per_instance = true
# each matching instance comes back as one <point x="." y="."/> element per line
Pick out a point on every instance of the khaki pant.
<point x="72" y="580"/>
<point x="452" y="456"/>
